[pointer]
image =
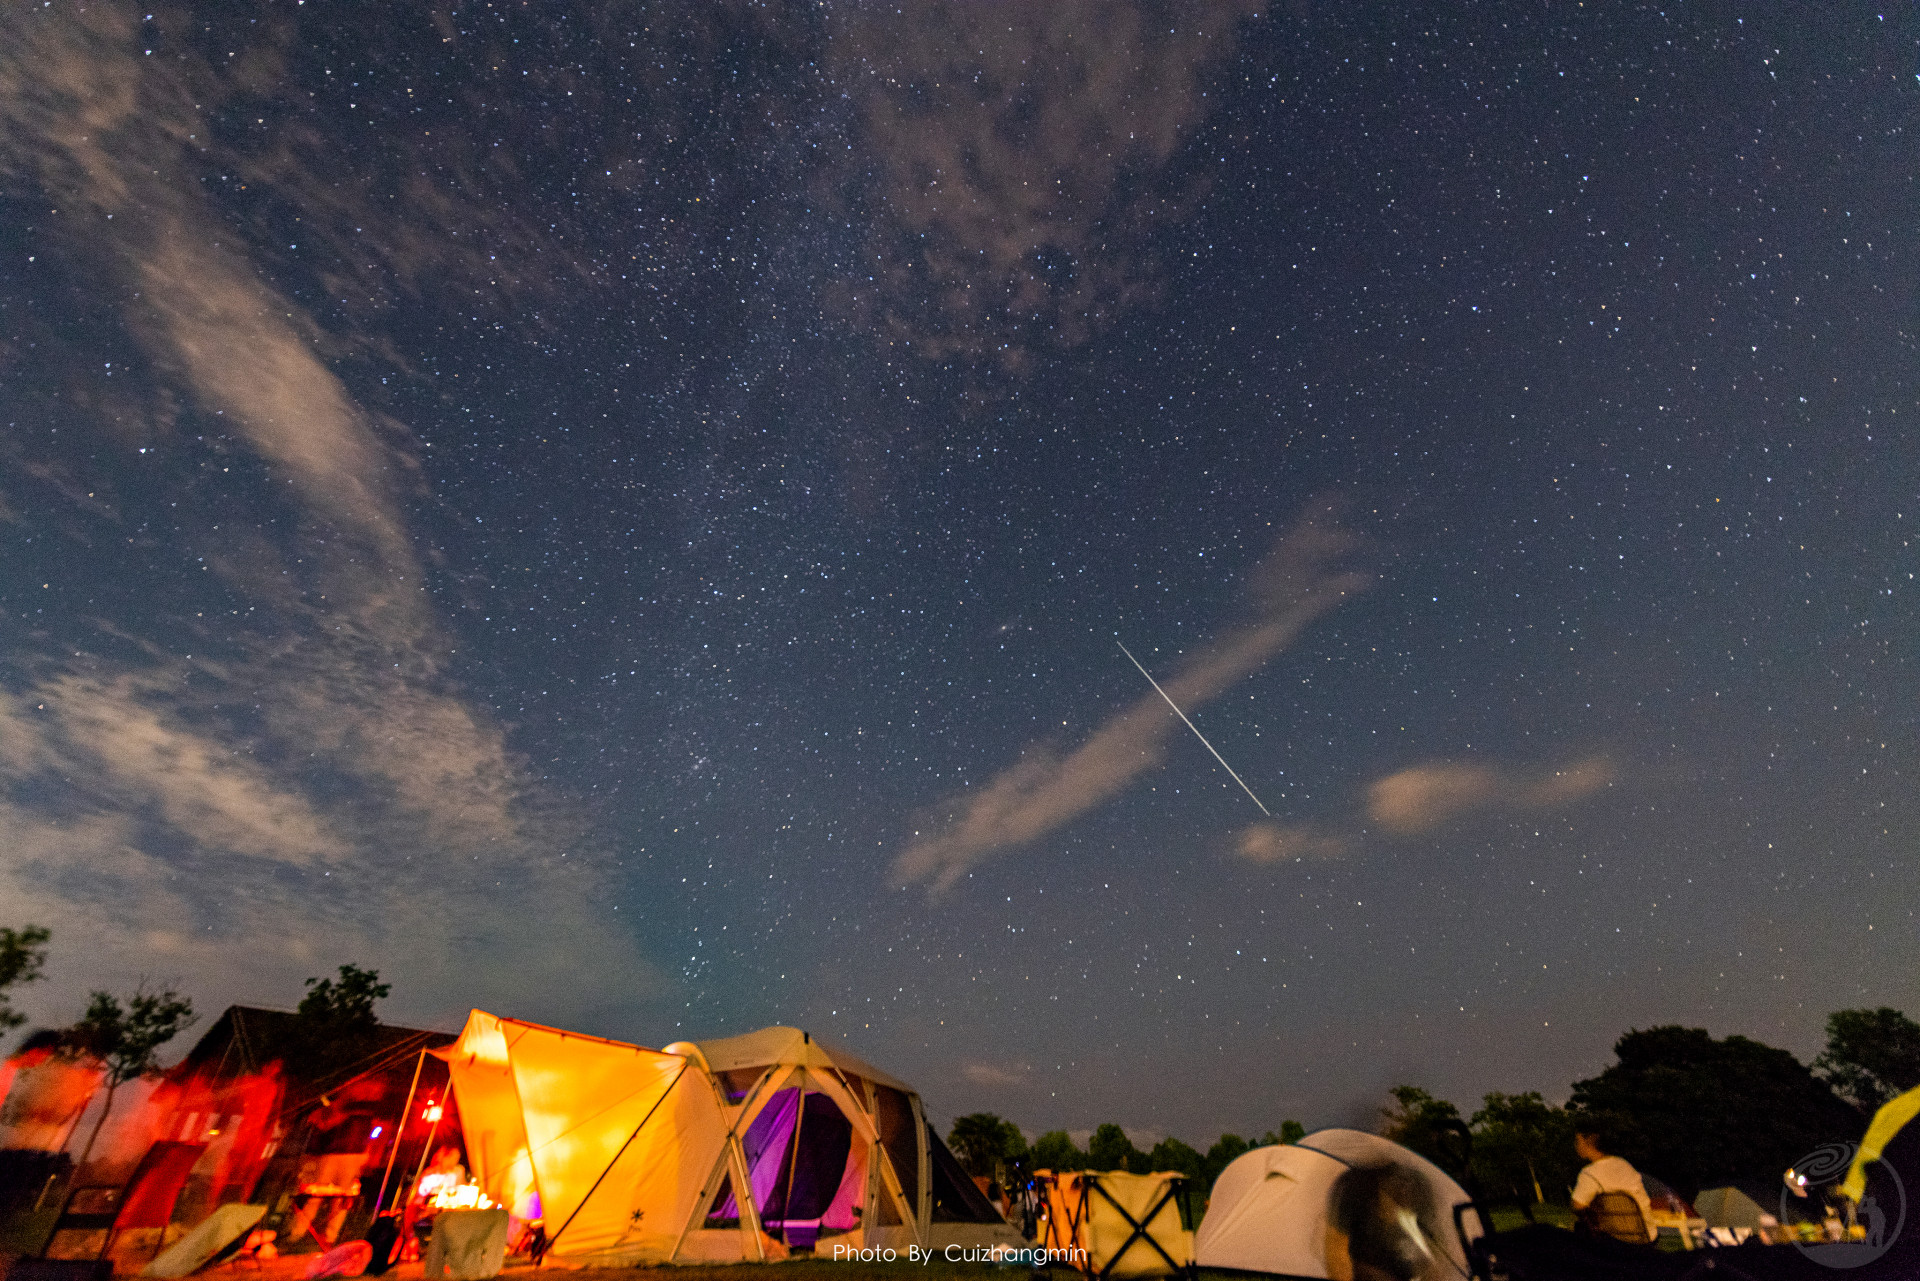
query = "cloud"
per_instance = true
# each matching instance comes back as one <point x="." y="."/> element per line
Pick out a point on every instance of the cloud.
<point x="1424" y="797"/>
<point x="116" y="735"/>
<point x="1296" y="583"/>
<point x="989" y="1074"/>
<point x="1276" y="842"/>
<point x="324" y="790"/>
<point x="1016" y="157"/>
<point x="232" y="339"/>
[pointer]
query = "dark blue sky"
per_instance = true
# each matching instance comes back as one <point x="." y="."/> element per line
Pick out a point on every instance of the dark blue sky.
<point x="623" y="520"/>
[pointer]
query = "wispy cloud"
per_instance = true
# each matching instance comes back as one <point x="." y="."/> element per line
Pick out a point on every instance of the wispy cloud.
<point x="1280" y="842"/>
<point x="117" y="735"/>
<point x="325" y="790"/>
<point x="994" y="1075"/>
<point x="1299" y="581"/>
<point x="1425" y="797"/>
<point x="1020" y="158"/>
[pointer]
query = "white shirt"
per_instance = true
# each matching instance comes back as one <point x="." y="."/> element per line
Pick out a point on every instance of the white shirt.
<point x="1614" y="1174"/>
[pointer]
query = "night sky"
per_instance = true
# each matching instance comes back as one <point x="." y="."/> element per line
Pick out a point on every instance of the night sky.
<point x="624" y="516"/>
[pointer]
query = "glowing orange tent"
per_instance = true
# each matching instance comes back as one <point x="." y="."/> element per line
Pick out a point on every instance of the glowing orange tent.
<point x="641" y="1156"/>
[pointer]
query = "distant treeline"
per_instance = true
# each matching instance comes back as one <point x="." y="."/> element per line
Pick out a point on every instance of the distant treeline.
<point x="1692" y="1111"/>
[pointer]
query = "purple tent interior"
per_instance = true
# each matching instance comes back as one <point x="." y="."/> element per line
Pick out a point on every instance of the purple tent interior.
<point x="799" y="1193"/>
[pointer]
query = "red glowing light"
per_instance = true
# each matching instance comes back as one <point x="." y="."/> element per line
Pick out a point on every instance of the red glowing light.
<point x="433" y="1112"/>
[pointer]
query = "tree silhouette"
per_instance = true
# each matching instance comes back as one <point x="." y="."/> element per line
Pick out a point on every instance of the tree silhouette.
<point x="1871" y="1055"/>
<point x="1697" y="1112"/>
<point x="989" y="1147"/>
<point x="334" y="1028"/>
<point x="1055" y="1150"/>
<point x="23" y="953"/>
<point x="126" y="1039"/>
<point x="1524" y="1145"/>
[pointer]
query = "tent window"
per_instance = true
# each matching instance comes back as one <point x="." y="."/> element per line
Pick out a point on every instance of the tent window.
<point x="956" y="1197"/>
<point x="797" y="1164"/>
<point x="811" y="1175"/>
<point x="739" y="1082"/>
<point x="725" y="1212"/>
<point x="897" y="1136"/>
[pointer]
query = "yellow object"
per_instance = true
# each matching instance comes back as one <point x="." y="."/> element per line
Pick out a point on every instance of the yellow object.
<point x="635" y="1154"/>
<point x="1887" y="1122"/>
<point x="1132" y="1224"/>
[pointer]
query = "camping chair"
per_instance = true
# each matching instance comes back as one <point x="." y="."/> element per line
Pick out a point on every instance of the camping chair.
<point x="1616" y="1215"/>
<point x="1079" y="1213"/>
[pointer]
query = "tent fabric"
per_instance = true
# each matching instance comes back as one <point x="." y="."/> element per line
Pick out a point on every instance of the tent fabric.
<point x="1729" y="1207"/>
<point x="149" y="1199"/>
<point x="1118" y="1219"/>
<point x="739" y="1149"/>
<point x="596" y="1127"/>
<point x="1304" y="1209"/>
<point x="206" y="1239"/>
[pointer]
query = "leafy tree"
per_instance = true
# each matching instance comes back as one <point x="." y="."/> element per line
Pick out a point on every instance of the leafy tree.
<point x="990" y="1147"/>
<point x="1524" y="1145"/>
<point x="1111" y="1149"/>
<point x="23" y="953"/>
<point x="1292" y="1132"/>
<point x="1423" y="1123"/>
<point x="1172" y="1154"/>
<point x="1871" y="1055"/>
<point x="1697" y="1112"/>
<point x="126" y="1039"/>
<point x="1055" y="1150"/>
<point x="334" y="1028"/>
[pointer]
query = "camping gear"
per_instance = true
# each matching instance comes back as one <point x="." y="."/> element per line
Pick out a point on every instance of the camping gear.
<point x="1115" y="1224"/>
<point x="741" y="1149"/>
<point x="1298" y="1209"/>
<point x="349" y="1260"/>
<point x="467" y="1245"/>
<point x="207" y="1238"/>
<point x="1891" y="1133"/>
<point x="1616" y="1215"/>
<point x="383" y="1234"/>
<point x="155" y="1186"/>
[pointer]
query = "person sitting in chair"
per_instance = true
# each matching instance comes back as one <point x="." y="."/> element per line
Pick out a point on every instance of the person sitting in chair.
<point x="1609" y="1189"/>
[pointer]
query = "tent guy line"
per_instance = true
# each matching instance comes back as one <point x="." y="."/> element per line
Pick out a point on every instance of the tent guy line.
<point x="1195" y="728"/>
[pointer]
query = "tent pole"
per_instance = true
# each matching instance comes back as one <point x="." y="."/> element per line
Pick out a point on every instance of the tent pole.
<point x="393" y="1149"/>
<point x="555" y="1238"/>
<point x="428" y="1149"/>
<point x="793" y="1163"/>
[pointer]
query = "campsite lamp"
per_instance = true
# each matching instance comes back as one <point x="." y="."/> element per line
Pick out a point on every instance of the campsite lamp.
<point x="432" y="1113"/>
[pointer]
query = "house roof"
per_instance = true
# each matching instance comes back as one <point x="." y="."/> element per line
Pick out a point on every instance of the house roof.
<point x="245" y="1038"/>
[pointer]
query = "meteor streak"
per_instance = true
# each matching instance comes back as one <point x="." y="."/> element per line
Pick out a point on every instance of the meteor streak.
<point x="1195" y="728"/>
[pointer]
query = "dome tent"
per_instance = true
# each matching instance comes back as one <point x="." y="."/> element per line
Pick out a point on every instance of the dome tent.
<point x="1312" y="1208"/>
<point x="641" y="1156"/>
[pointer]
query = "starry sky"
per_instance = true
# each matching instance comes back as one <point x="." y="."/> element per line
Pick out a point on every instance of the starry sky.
<point x="624" y="516"/>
